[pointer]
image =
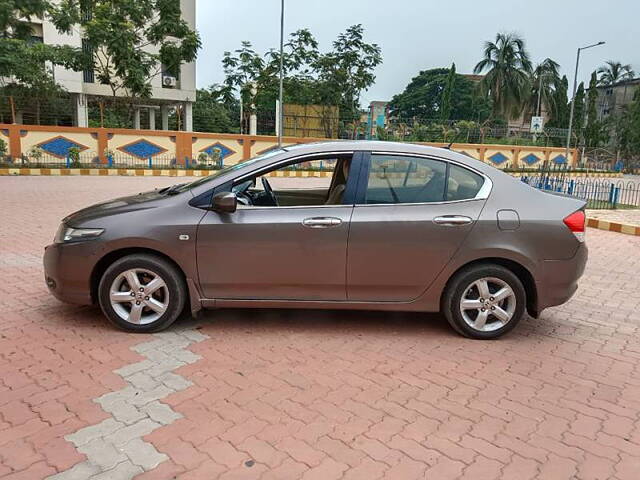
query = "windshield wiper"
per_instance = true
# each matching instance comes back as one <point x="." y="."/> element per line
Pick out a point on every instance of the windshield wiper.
<point x="172" y="190"/>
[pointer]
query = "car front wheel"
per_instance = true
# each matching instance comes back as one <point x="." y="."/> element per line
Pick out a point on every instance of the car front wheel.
<point x="484" y="301"/>
<point x="142" y="293"/>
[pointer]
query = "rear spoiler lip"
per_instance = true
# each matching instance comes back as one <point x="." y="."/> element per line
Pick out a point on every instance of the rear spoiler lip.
<point x="568" y="197"/>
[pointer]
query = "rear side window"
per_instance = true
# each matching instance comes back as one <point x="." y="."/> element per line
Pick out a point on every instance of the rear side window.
<point x="463" y="184"/>
<point x="401" y="179"/>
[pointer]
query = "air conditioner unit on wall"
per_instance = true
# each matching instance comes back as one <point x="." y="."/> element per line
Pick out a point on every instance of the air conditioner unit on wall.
<point x="169" y="82"/>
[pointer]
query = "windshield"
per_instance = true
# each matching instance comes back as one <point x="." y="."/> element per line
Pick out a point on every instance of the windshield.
<point x="224" y="171"/>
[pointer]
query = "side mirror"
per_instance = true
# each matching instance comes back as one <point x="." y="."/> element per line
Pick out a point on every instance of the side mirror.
<point x="225" y="202"/>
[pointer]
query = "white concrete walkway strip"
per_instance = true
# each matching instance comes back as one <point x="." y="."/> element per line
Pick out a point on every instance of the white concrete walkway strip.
<point x="114" y="447"/>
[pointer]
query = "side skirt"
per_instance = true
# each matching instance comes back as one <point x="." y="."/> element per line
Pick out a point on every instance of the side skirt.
<point x="314" y="304"/>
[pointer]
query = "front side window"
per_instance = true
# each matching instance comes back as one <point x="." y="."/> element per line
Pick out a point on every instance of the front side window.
<point x="403" y="179"/>
<point x="308" y="182"/>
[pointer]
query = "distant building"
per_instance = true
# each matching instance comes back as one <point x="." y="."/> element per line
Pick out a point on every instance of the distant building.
<point x="473" y="77"/>
<point x="168" y="90"/>
<point x="378" y="117"/>
<point x="613" y="98"/>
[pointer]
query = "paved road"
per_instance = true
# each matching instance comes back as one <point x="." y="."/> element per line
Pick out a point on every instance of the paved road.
<point x="297" y="394"/>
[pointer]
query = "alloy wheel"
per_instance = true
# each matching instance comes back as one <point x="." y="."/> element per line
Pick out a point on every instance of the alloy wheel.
<point x="139" y="296"/>
<point x="488" y="304"/>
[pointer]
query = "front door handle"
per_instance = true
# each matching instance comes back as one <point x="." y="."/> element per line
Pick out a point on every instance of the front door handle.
<point x="453" y="220"/>
<point x="321" y="222"/>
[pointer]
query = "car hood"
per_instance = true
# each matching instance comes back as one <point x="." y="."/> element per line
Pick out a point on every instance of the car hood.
<point x="117" y="206"/>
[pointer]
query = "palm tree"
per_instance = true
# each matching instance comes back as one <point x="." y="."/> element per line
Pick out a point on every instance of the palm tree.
<point x="614" y="72"/>
<point x="507" y="79"/>
<point x="544" y="80"/>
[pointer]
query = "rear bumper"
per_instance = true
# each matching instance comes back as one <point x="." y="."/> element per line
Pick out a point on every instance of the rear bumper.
<point x="559" y="278"/>
<point x="67" y="271"/>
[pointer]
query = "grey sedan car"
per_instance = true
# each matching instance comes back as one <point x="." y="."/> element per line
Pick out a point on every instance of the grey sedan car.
<point x="353" y="225"/>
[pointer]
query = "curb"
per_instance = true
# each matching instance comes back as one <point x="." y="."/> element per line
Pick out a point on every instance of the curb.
<point x="613" y="226"/>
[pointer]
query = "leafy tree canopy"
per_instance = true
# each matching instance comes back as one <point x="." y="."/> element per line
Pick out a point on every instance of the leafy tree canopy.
<point x="119" y="31"/>
<point x="508" y="69"/>
<point x="210" y="114"/>
<point x="614" y="72"/>
<point x="425" y="95"/>
<point x="335" y="78"/>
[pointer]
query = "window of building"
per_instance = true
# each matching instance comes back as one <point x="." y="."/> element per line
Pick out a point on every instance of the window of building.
<point x="88" y="76"/>
<point x="170" y="76"/>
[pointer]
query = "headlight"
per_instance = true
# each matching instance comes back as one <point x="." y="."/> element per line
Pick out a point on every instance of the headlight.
<point x="67" y="234"/>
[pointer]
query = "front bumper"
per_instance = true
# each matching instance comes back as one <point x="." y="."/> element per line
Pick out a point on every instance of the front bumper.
<point x="559" y="278"/>
<point x="67" y="271"/>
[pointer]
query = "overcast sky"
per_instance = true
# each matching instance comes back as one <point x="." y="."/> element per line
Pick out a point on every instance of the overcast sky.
<point x="419" y="34"/>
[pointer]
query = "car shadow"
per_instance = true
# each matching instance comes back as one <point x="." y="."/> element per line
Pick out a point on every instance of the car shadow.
<point x="323" y="321"/>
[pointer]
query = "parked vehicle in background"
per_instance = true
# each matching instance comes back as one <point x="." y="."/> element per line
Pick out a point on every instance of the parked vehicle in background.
<point x="374" y="225"/>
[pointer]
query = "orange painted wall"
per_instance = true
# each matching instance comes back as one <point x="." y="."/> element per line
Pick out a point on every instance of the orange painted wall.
<point x="189" y="144"/>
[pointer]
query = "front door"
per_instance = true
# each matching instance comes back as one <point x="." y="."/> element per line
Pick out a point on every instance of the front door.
<point x="285" y="252"/>
<point x="411" y="216"/>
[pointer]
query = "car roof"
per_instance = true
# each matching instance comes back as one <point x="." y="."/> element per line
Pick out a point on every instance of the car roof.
<point x="391" y="147"/>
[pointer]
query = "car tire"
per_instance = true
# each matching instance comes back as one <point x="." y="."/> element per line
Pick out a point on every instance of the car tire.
<point x="142" y="293"/>
<point x="479" y="317"/>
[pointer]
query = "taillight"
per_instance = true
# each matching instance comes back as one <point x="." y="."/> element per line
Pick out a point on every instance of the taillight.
<point x="575" y="222"/>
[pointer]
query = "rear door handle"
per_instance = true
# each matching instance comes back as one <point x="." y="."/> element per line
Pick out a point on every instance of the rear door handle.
<point x="321" y="222"/>
<point x="453" y="220"/>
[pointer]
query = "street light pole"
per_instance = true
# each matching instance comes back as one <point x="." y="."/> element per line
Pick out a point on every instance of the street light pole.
<point x="280" y="94"/>
<point x="573" y="96"/>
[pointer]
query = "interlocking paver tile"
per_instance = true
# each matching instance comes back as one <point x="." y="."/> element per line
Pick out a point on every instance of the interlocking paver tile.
<point x="295" y="394"/>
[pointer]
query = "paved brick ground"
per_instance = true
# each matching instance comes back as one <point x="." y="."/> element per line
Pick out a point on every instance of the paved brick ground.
<point x="296" y="394"/>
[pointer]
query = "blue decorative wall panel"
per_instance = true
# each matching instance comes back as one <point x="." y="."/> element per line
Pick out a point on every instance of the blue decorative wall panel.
<point x="530" y="159"/>
<point x="60" y="146"/>
<point x="498" y="158"/>
<point x="224" y="150"/>
<point x="142" y="149"/>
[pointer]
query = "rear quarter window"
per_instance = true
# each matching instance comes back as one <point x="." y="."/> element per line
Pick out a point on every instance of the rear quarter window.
<point x="463" y="184"/>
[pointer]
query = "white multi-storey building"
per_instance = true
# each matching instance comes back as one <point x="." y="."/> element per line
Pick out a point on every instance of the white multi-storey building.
<point x="168" y="91"/>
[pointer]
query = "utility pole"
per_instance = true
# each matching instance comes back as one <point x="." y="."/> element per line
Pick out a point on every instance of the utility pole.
<point x="573" y="96"/>
<point x="280" y="95"/>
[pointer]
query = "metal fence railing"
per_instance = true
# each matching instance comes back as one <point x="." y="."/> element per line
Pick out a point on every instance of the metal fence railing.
<point x="597" y="192"/>
<point x="89" y="160"/>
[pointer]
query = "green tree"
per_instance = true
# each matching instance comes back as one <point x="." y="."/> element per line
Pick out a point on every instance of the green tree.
<point x="594" y="132"/>
<point x="560" y="111"/>
<point x="579" y="112"/>
<point x="632" y="121"/>
<point x="25" y="64"/>
<point x="348" y="70"/>
<point x="507" y="80"/>
<point x="336" y="78"/>
<point x="424" y="95"/>
<point x="614" y="72"/>
<point x="544" y="82"/>
<point x="445" y="111"/>
<point x="210" y="114"/>
<point x="120" y="33"/>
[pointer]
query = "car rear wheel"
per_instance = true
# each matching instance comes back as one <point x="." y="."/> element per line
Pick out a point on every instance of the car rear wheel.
<point x="142" y="293"/>
<point x="484" y="301"/>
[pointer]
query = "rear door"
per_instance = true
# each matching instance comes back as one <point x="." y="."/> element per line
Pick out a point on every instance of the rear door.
<point x="412" y="213"/>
